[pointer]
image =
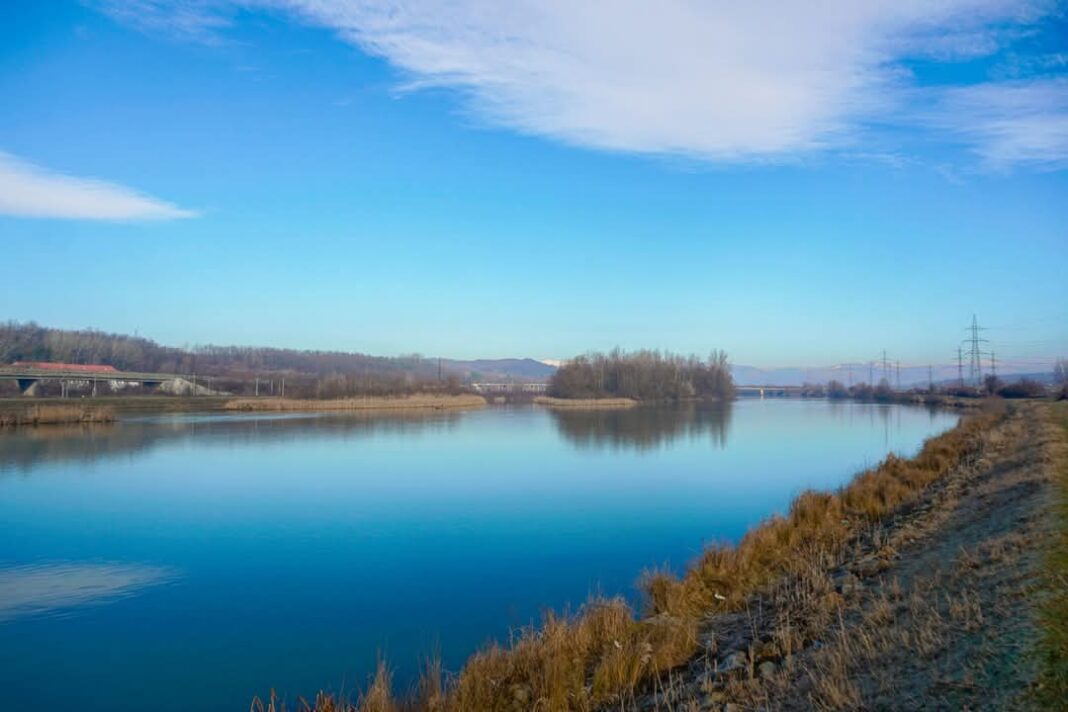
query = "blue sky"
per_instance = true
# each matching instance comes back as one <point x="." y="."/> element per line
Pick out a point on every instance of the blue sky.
<point x="478" y="179"/>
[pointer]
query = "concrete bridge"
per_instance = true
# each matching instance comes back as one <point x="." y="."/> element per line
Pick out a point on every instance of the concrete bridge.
<point x="510" y="387"/>
<point x="28" y="376"/>
<point x="768" y="391"/>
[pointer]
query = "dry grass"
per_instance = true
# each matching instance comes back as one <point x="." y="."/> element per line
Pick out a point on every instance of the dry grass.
<point x="1052" y="688"/>
<point x="817" y="527"/>
<point x="603" y="656"/>
<point x="352" y="404"/>
<point x="587" y="403"/>
<point x="56" y="415"/>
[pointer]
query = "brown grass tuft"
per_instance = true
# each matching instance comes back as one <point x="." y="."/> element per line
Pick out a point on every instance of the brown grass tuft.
<point x="379" y="696"/>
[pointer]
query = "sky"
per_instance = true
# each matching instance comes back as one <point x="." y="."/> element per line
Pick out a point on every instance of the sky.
<point x="797" y="184"/>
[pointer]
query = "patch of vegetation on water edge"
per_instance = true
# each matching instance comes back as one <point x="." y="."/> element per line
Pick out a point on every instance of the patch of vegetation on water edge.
<point x="419" y="400"/>
<point x="34" y="415"/>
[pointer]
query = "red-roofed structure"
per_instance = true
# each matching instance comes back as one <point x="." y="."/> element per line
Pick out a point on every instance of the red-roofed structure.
<point x="76" y="367"/>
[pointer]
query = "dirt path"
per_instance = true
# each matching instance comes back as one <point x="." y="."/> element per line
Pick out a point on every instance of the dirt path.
<point x="936" y="609"/>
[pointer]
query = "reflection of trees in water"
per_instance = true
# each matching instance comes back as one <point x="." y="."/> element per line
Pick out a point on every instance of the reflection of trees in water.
<point x="27" y="448"/>
<point x="645" y="427"/>
<point x="885" y="416"/>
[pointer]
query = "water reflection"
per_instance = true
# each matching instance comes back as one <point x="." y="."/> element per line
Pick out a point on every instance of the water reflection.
<point x="886" y="416"/>
<point x="58" y="587"/>
<point x="644" y="427"/>
<point x="25" y="449"/>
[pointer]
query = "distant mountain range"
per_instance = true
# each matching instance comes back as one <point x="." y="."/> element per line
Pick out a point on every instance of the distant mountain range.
<point x="528" y="369"/>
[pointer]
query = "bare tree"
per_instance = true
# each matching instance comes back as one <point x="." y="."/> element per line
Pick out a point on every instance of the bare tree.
<point x="1060" y="371"/>
<point x="643" y="375"/>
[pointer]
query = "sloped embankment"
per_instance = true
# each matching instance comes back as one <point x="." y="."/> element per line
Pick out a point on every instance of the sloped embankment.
<point x="946" y="604"/>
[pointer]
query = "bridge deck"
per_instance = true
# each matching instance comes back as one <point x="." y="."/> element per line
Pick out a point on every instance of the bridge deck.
<point x="19" y="373"/>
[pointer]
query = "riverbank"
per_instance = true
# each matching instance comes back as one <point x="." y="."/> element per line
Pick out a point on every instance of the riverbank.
<point x="32" y="415"/>
<point x="13" y="410"/>
<point x="920" y="574"/>
<point x="407" y="402"/>
<point x="121" y="405"/>
<point x="955" y="600"/>
<point x="585" y="403"/>
<point x="935" y="400"/>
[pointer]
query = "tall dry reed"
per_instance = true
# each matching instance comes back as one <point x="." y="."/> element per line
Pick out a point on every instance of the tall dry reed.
<point x="56" y="415"/>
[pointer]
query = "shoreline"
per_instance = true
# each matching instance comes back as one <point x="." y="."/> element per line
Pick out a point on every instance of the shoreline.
<point x="369" y="403"/>
<point x="937" y="400"/>
<point x="36" y="415"/>
<point x="117" y="407"/>
<point x="937" y="604"/>
<point x="585" y="403"/>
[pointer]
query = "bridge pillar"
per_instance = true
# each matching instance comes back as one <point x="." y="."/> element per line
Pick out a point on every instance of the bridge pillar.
<point x="28" y="386"/>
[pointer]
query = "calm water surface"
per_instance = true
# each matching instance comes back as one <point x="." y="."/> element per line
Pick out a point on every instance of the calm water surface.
<point x="190" y="562"/>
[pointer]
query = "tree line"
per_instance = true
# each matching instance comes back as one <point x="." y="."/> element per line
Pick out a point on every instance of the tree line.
<point x="883" y="392"/>
<point x="643" y="375"/>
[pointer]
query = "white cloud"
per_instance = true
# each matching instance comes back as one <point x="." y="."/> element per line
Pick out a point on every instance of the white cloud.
<point x="1012" y="122"/>
<point x="714" y="80"/>
<point x="27" y="190"/>
<point x="711" y="80"/>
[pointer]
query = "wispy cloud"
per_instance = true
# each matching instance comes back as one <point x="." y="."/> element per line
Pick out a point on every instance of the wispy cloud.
<point x="191" y="20"/>
<point x="1010" y="123"/>
<point x="30" y="191"/>
<point x="717" y="81"/>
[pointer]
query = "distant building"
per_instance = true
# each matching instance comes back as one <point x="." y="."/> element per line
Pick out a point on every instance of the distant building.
<point x="53" y="366"/>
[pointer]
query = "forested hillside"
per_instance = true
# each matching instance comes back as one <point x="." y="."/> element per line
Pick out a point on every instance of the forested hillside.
<point x="30" y="342"/>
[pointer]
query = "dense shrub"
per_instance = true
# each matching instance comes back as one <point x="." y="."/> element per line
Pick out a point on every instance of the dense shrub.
<point x="1024" y="388"/>
<point x="643" y="375"/>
